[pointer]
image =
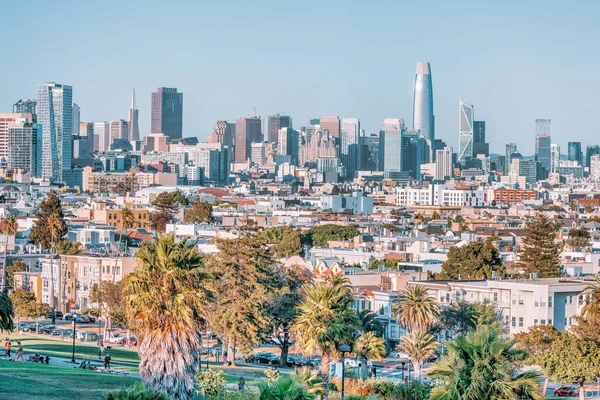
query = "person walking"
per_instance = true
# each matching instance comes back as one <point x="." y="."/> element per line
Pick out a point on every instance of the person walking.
<point x="19" y="352"/>
<point x="7" y="346"/>
<point x="107" y="361"/>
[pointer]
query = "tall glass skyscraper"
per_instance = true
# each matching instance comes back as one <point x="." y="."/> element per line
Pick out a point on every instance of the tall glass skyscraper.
<point x="465" y="132"/>
<point x="350" y="138"/>
<point x="392" y="145"/>
<point x="423" y="118"/>
<point x="54" y="108"/>
<point x="167" y="112"/>
<point x="574" y="152"/>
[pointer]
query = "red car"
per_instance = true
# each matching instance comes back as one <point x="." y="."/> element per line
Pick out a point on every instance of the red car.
<point x="565" y="391"/>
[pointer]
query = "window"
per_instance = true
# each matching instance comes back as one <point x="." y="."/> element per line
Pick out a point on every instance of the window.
<point x="570" y="299"/>
<point x="566" y="323"/>
<point x="550" y="301"/>
<point x="536" y="302"/>
<point x="521" y="301"/>
<point x="514" y="322"/>
<point x="543" y="322"/>
<point x="521" y="322"/>
<point x="495" y="296"/>
<point x="393" y="331"/>
<point x="514" y="299"/>
<point x="381" y="310"/>
<point x="535" y="322"/>
<point x="362" y="304"/>
<point x="549" y="322"/>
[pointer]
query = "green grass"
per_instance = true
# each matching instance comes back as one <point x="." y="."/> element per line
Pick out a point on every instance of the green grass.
<point x="29" y="381"/>
<point x="63" y="349"/>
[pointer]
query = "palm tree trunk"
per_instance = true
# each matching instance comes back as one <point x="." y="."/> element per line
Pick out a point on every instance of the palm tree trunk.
<point x="546" y="381"/>
<point x="52" y="304"/>
<point x="325" y="373"/>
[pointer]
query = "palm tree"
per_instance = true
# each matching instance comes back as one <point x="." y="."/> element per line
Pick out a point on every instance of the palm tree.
<point x="415" y="309"/>
<point x="54" y="226"/>
<point x="368" y="322"/>
<point x="591" y="310"/>
<point x="8" y="226"/>
<point x="461" y="317"/>
<point x="6" y="312"/>
<point x="309" y="380"/>
<point x="419" y="346"/>
<point x="127" y="220"/>
<point x="284" y="388"/>
<point x="325" y="320"/>
<point x="368" y="347"/>
<point x="483" y="366"/>
<point x="166" y="301"/>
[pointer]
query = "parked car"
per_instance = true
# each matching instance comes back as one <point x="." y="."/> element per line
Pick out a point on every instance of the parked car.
<point x="58" y="314"/>
<point x="31" y="328"/>
<point x="47" y="329"/>
<point x="133" y="341"/>
<point x="314" y="363"/>
<point x="91" y="318"/>
<point x="565" y="391"/>
<point x="115" y="339"/>
<point x="82" y="319"/>
<point x="295" y="361"/>
<point x="265" y="357"/>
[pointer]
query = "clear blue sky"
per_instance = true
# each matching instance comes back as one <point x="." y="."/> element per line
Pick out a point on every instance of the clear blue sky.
<point x="513" y="61"/>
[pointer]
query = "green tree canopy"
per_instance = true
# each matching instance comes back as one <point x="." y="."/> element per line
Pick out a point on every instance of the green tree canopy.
<point x="17" y="266"/>
<point x="166" y="208"/>
<point x="201" y="211"/>
<point x="540" y="253"/>
<point x="321" y="234"/>
<point x="66" y="247"/>
<point x="416" y="309"/>
<point x="475" y="260"/>
<point x="40" y="232"/>
<point x="285" y="241"/>
<point x="6" y="312"/>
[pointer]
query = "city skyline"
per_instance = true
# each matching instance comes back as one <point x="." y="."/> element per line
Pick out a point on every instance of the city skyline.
<point x="520" y="57"/>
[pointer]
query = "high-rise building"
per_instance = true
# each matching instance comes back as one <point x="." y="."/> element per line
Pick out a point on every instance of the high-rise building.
<point x="54" y="109"/>
<point x="554" y="157"/>
<point x="589" y="152"/>
<point x="350" y="143"/>
<point x="276" y="122"/>
<point x="574" y="152"/>
<point x="5" y="121"/>
<point x="465" y="132"/>
<point x="543" y="154"/>
<point x="370" y="158"/>
<point x="24" y="107"/>
<point x="83" y="145"/>
<point x="119" y="129"/>
<point x="392" y="144"/>
<point x="410" y="155"/>
<point x="423" y="118"/>
<point x="101" y="136"/>
<point x="76" y="119"/>
<point x="478" y="131"/>
<point x="288" y="143"/>
<point x="248" y="130"/>
<point x="443" y="164"/>
<point x="510" y="149"/>
<point x="223" y="132"/>
<point x="258" y="153"/>
<point x="167" y="112"/>
<point x="22" y="146"/>
<point x="542" y="126"/>
<point x="595" y="166"/>
<point x="134" y="127"/>
<point x="331" y="124"/>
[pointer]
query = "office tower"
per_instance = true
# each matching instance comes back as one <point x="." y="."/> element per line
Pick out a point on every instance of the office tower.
<point x="85" y="141"/>
<point x="24" y="107"/>
<point x="542" y="154"/>
<point x="350" y="142"/>
<point x="119" y="129"/>
<point x="554" y="157"/>
<point x="478" y="131"/>
<point x="589" y="152"/>
<point x="370" y="158"/>
<point x="5" y="121"/>
<point x="498" y="163"/>
<point x="574" y="152"/>
<point x="167" y="112"/>
<point x="156" y="142"/>
<point x="22" y="145"/>
<point x="443" y="164"/>
<point x="542" y="126"/>
<point x="76" y="119"/>
<point x="465" y="132"/>
<point x="258" y="153"/>
<point x="595" y="166"/>
<point x="407" y="158"/>
<point x="54" y="109"/>
<point x="510" y="149"/>
<point x="276" y="122"/>
<point x="248" y="130"/>
<point x="423" y="118"/>
<point x="392" y="144"/>
<point x="319" y="145"/>
<point x="101" y="136"/>
<point x="288" y="143"/>
<point x="331" y="124"/>
<point x="529" y="169"/>
<point x="223" y="132"/>
<point x="134" y="127"/>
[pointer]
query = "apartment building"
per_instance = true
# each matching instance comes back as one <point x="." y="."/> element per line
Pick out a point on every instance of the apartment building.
<point x="113" y="217"/>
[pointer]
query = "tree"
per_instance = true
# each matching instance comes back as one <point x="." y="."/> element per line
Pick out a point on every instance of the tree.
<point x="368" y="322"/>
<point x="416" y="309"/>
<point x="178" y="197"/>
<point x="419" y="346"/>
<point x="460" y="317"/>
<point x="325" y="321"/>
<point x="127" y="223"/>
<point x="368" y="347"/>
<point x="54" y="226"/>
<point x="540" y="253"/>
<point x="282" y="301"/>
<point x="166" y="208"/>
<point x="6" y="312"/>
<point x="243" y="271"/>
<point x="488" y="315"/>
<point x="390" y="227"/>
<point x="475" y="260"/>
<point x="321" y="234"/>
<point x="579" y="239"/>
<point x="571" y="359"/>
<point x="65" y="246"/>
<point x="167" y="298"/>
<point x="591" y="310"/>
<point x="26" y="305"/>
<point x="199" y="212"/>
<point x="284" y="241"/>
<point x="40" y="232"/>
<point x="537" y="341"/>
<point x="8" y="226"/>
<point x="335" y="190"/>
<point x="435" y="216"/>
<point x="111" y="300"/>
<point x="481" y="365"/>
<point x="17" y="266"/>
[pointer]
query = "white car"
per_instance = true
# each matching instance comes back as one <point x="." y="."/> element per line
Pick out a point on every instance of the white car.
<point x="116" y="339"/>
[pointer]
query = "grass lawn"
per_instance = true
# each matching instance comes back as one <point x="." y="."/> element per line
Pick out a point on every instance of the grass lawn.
<point x="59" y="348"/>
<point x="30" y="381"/>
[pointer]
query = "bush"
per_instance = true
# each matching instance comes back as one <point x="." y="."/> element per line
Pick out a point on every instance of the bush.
<point x="415" y="390"/>
<point x="137" y="393"/>
<point x="272" y="374"/>
<point x="211" y="382"/>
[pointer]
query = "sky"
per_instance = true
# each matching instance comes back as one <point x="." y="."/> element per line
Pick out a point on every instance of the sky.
<point x="514" y="60"/>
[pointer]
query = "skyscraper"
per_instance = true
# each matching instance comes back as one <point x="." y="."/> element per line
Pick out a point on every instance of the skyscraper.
<point x="443" y="163"/>
<point x="76" y="119"/>
<point x="248" y="130"/>
<point x="478" y="131"/>
<point x="223" y="132"/>
<point x="554" y="157"/>
<point x="542" y="126"/>
<point x="54" y="109"/>
<point x="167" y="112"/>
<point x="276" y="122"/>
<point x="331" y="124"/>
<point x="24" y="107"/>
<point x="543" y="154"/>
<point x="574" y="152"/>
<point x="392" y="145"/>
<point x="101" y="136"/>
<point x="22" y="146"/>
<point x="510" y="149"/>
<point x="465" y="132"/>
<point x="288" y="143"/>
<point x="119" y="129"/>
<point x="589" y="152"/>
<point x="134" y="127"/>
<point x="423" y="118"/>
<point x="350" y="142"/>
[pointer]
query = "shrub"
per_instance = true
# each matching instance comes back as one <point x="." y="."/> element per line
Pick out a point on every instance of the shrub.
<point x="137" y="393"/>
<point x="211" y="382"/>
<point x="272" y="374"/>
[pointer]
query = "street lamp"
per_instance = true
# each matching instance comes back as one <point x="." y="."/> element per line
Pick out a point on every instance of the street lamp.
<point x="344" y="348"/>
